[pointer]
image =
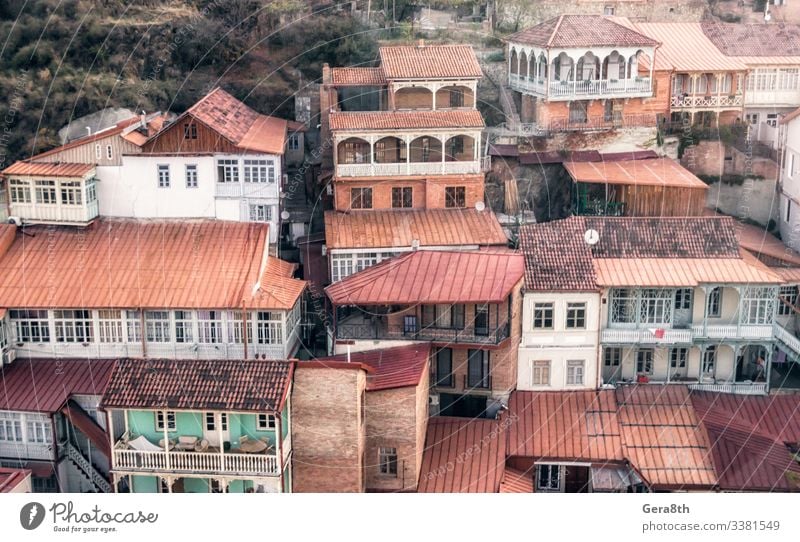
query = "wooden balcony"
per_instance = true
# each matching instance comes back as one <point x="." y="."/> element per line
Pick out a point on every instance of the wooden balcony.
<point x="709" y="102"/>
<point x="738" y="388"/>
<point x="410" y="168"/>
<point x="583" y="90"/>
<point x="645" y="336"/>
<point x="772" y="98"/>
<point x="26" y="450"/>
<point x="733" y="331"/>
<point x="379" y="331"/>
<point x="181" y="462"/>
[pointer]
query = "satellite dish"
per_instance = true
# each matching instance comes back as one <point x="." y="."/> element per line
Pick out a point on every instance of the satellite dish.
<point x="591" y="237"/>
<point x="285" y="215"/>
<point x="480" y="206"/>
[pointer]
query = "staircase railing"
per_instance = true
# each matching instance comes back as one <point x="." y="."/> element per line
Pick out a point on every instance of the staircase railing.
<point x="88" y="469"/>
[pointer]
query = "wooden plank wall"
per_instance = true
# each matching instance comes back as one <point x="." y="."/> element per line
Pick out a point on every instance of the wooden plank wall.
<point x="660" y="201"/>
<point x="172" y="140"/>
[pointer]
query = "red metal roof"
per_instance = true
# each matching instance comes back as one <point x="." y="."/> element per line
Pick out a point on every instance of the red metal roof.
<point x="427" y="276"/>
<point x="48" y="169"/>
<point x="662" y="437"/>
<point x="430" y="227"/>
<point x="400" y="120"/>
<point x="425" y="61"/>
<point x="357" y="77"/>
<point x="581" y="31"/>
<point x="463" y="455"/>
<point x="654" y="172"/>
<point x="565" y="426"/>
<point x="10" y="479"/>
<point x="120" y="263"/>
<point x="44" y="385"/>
<point x="749" y="438"/>
<point x="398" y="367"/>
<point x="232" y="385"/>
<point x="516" y="481"/>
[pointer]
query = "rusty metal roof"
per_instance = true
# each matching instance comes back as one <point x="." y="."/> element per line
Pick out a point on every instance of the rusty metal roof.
<point x="401" y="120"/>
<point x="564" y="426"/>
<point x="427" y="276"/>
<point x="45" y="385"/>
<point x="397" y="367"/>
<point x="463" y="455"/>
<point x="343" y="77"/>
<point x="230" y="385"/>
<point x="568" y="31"/>
<point x="424" y="61"/>
<point x="48" y="169"/>
<point x="430" y="227"/>
<point x="652" y="172"/>
<point x="662" y="437"/>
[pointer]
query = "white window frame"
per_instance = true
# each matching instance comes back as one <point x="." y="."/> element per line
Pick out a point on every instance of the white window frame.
<point x="169" y="415"/>
<point x="612" y="356"/>
<point x="191" y="175"/>
<point x="388" y="461"/>
<point x="714" y="303"/>
<point x="260" y="212"/>
<point x="269" y="327"/>
<point x="293" y="143"/>
<point x="109" y="326"/>
<point x="133" y="325"/>
<point x="20" y="191"/>
<point x="644" y="366"/>
<point x="163" y="175"/>
<point x="787" y="296"/>
<point x="576" y="311"/>
<point x="678" y="357"/>
<point x="31" y="325"/>
<point x="38" y="431"/>
<point x="46" y="192"/>
<point x="157" y="326"/>
<point x="543" y="311"/>
<point x="576" y="372"/>
<point x="11" y="426"/>
<point x="540" y="372"/>
<point x="71" y="193"/>
<point x="209" y="327"/>
<point x="236" y="327"/>
<point x="757" y="306"/>
<point x="184" y="326"/>
<point x="73" y="326"/>
<point x="266" y="422"/>
<point x="227" y="170"/>
<point x="548" y="486"/>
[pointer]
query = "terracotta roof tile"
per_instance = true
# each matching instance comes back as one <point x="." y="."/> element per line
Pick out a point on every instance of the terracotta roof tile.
<point x="654" y="172"/>
<point x="399" y="120"/>
<point x="48" y="169"/>
<point x="135" y="263"/>
<point x="358" y="77"/>
<point x="568" y="426"/>
<point x="581" y="31"/>
<point x="432" y="228"/>
<point x="427" y="276"/>
<point x="662" y="437"/>
<point x="429" y="62"/>
<point x="463" y="456"/>
<point x="45" y="385"/>
<point x="232" y="385"/>
<point x="556" y="256"/>
<point x="397" y="367"/>
<point x="754" y="40"/>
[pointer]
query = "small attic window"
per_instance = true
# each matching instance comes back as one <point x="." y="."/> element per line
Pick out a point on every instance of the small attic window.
<point x="190" y="131"/>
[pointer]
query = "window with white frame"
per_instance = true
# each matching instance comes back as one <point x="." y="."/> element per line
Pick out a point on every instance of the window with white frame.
<point x="542" y="316"/>
<point x="165" y="417"/>
<point x="758" y="305"/>
<point x="71" y="193"/>
<point x="236" y="327"/>
<point x="387" y="461"/>
<point x="259" y="171"/>
<point x="678" y="357"/>
<point x="268" y="327"/>
<point x="184" y="322"/>
<point x="612" y="356"/>
<point x="109" y="152"/>
<point x="576" y="316"/>
<point x="714" y="305"/>
<point x="683" y="298"/>
<point x="46" y="192"/>
<point x="623" y="306"/>
<point x="20" y="191"/>
<point x="575" y="372"/>
<point x="265" y="422"/>
<point x="608" y="10"/>
<point x="209" y="327"/>
<point x="163" y="175"/>
<point x="157" y="326"/>
<point x="341" y="266"/>
<point x="365" y="260"/>
<point x="787" y="300"/>
<point x="227" y="171"/>
<point x="73" y="326"/>
<point x="223" y="420"/>
<point x="644" y="361"/>
<point x="540" y="373"/>
<point x="91" y="191"/>
<point x="10" y="427"/>
<point x="656" y="306"/>
<point x="133" y="324"/>
<point x="548" y="477"/>
<point x="709" y="361"/>
<point x="39" y="431"/>
<point x="260" y="212"/>
<point x="211" y="421"/>
<point x="191" y="175"/>
<point x="294" y="142"/>
<point x="31" y="326"/>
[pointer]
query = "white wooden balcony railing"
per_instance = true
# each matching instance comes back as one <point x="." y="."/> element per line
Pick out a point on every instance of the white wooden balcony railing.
<point x="698" y="331"/>
<point x="706" y="102"/>
<point x="772" y="98"/>
<point x="26" y="450"/>
<point x="246" y="190"/>
<point x="33" y="212"/>
<point x="738" y="388"/>
<point x="645" y="336"/>
<point x="196" y="462"/>
<point x="408" y="168"/>
<point x="565" y="90"/>
<point x="787" y="338"/>
<point x="744" y="331"/>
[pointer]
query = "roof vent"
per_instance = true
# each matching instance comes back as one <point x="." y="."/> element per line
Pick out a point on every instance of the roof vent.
<point x="415" y="244"/>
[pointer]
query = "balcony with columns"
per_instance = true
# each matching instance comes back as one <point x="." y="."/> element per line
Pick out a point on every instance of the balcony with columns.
<point x="372" y="155"/>
<point x="577" y="74"/>
<point x="707" y="91"/>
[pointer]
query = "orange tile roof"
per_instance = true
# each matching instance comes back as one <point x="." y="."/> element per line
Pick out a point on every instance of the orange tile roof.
<point x="278" y="289"/>
<point x="357" y="77"/>
<point x="685" y="48"/>
<point x="654" y="172"/>
<point x="463" y="455"/>
<point x="138" y="264"/>
<point x="240" y="124"/>
<point x="399" y="120"/>
<point x="429" y="62"/>
<point x="668" y="272"/>
<point x="432" y="228"/>
<point x="48" y="169"/>
<point x="760" y="242"/>
<point x="663" y="438"/>
<point x="581" y="31"/>
<point x="567" y="426"/>
<point x="427" y="276"/>
<point x="398" y="367"/>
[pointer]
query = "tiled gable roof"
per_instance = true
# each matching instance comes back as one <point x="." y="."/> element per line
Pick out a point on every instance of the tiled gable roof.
<point x="400" y="120"/>
<point x="231" y="385"/>
<point x="754" y="40"/>
<point x="556" y="256"/>
<point x="429" y="62"/>
<point x="358" y="77"/>
<point x="581" y="31"/>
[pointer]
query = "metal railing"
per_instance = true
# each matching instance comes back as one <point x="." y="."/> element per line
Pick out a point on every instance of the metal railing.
<point x="196" y="462"/>
<point x="600" y="88"/>
<point x="409" y="168"/>
<point x="88" y="469"/>
<point x="471" y="335"/>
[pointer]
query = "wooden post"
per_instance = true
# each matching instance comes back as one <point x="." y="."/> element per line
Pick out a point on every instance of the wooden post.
<point x="165" y="429"/>
<point x="244" y="327"/>
<point x="218" y="417"/>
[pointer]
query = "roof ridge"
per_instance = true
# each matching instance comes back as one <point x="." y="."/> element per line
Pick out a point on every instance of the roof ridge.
<point x="555" y="30"/>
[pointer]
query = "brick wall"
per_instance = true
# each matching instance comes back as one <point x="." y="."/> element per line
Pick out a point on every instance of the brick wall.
<point x="643" y="10"/>
<point x="328" y="438"/>
<point x="426" y="194"/>
<point x="413" y="98"/>
<point x="443" y="97"/>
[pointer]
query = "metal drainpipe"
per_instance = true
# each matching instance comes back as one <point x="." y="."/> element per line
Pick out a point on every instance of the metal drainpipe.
<point x="279" y="447"/>
<point x="142" y="332"/>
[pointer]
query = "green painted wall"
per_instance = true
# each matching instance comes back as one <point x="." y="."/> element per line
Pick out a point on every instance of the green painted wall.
<point x="144" y="484"/>
<point x="195" y="485"/>
<point x="285" y="420"/>
<point x="143" y="422"/>
<point x="245" y="424"/>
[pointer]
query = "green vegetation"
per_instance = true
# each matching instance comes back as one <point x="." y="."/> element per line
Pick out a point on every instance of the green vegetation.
<point x="728" y="178"/>
<point x="67" y="58"/>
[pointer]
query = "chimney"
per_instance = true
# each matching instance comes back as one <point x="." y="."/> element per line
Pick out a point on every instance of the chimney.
<point x="143" y="119"/>
<point x="421" y="43"/>
<point x="88" y="130"/>
<point x="326" y="74"/>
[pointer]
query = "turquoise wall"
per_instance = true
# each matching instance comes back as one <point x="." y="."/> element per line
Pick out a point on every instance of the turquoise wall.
<point x="285" y="420"/>
<point x="144" y="484"/>
<point x="149" y="484"/>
